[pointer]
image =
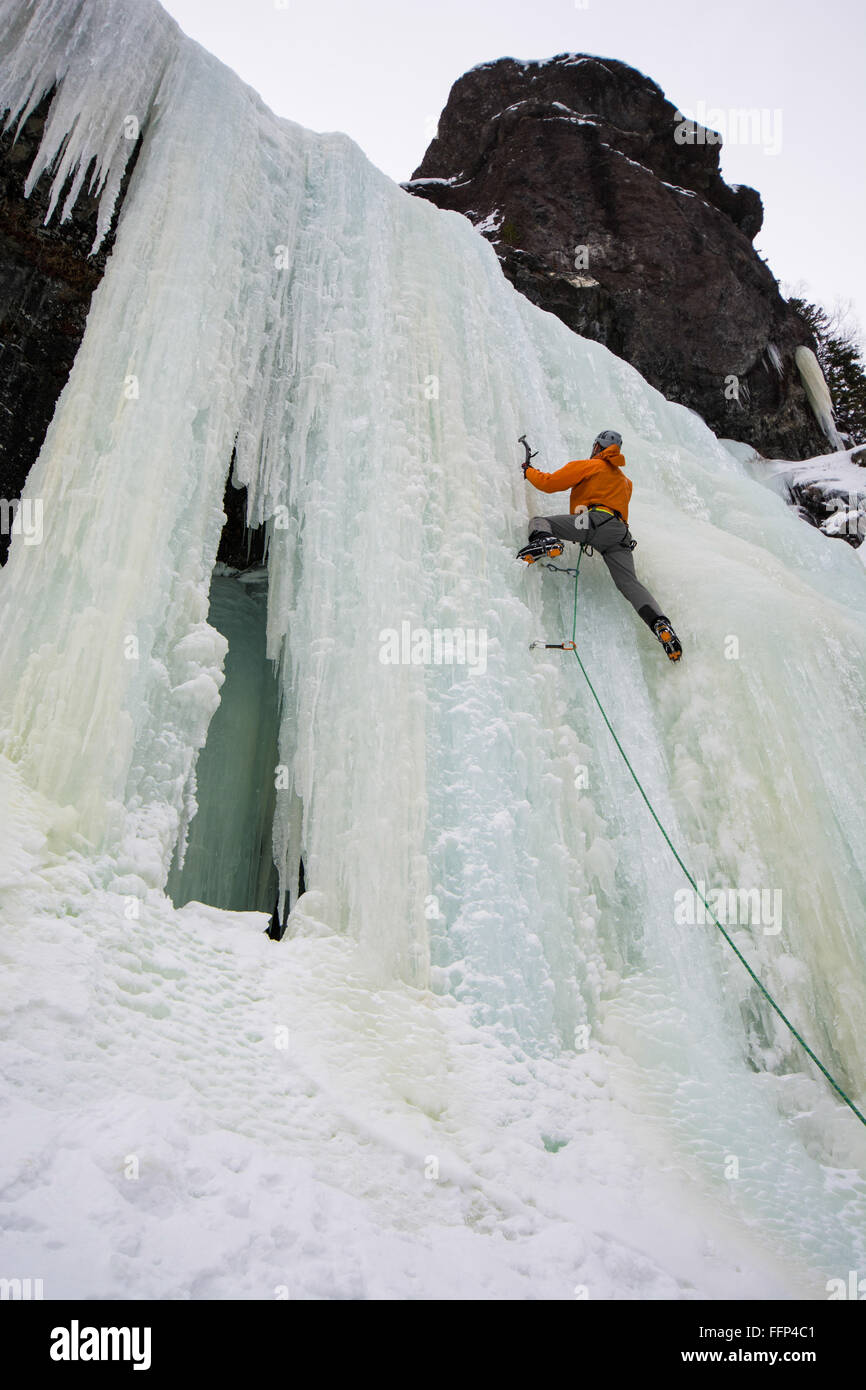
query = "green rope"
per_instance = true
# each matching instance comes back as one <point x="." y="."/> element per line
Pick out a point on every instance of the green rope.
<point x="766" y="993"/>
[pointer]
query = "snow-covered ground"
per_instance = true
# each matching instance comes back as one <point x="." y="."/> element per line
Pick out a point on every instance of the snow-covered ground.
<point x="191" y="1111"/>
<point x="489" y="1059"/>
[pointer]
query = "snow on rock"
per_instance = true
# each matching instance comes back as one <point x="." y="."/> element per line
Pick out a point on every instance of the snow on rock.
<point x="830" y="490"/>
<point x="490" y="225"/>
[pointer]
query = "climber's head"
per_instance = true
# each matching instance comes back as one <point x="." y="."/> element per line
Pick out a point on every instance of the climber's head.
<point x="604" y="441"/>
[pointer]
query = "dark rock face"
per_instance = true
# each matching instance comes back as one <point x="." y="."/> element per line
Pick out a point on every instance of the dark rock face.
<point x="571" y="169"/>
<point x="241" y="547"/>
<point x="47" y="279"/>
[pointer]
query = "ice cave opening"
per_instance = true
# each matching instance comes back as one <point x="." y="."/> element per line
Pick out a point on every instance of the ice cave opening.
<point x="228" y="861"/>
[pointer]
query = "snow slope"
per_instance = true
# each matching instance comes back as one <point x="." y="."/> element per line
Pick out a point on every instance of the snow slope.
<point x="488" y="970"/>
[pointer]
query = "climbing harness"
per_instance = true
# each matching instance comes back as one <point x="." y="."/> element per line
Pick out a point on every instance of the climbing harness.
<point x="628" y="541"/>
<point x="572" y="647"/>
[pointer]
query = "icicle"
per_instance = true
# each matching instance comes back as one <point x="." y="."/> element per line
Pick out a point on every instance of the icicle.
<point x="818" y="393"/>
<point x="61" y="44"/>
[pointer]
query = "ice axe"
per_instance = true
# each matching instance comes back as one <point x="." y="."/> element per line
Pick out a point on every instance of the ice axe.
<point x="529" y="454"/>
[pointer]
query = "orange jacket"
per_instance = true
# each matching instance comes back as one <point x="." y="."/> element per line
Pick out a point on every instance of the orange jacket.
<point x="598" y="482"/>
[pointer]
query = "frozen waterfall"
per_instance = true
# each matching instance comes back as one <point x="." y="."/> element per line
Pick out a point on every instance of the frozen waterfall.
<point x="474" y="850"/>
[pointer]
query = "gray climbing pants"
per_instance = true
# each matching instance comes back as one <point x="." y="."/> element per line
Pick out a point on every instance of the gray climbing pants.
<point x="606" y="534"/>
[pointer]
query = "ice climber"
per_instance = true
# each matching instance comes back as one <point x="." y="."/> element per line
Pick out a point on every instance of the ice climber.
<point x="598" y="517"/>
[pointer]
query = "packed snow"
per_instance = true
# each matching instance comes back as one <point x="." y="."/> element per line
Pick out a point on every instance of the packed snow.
<point x="487" y="1060"/>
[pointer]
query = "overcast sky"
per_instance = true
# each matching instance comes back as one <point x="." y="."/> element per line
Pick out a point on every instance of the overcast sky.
<point x="381" y="70"/>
